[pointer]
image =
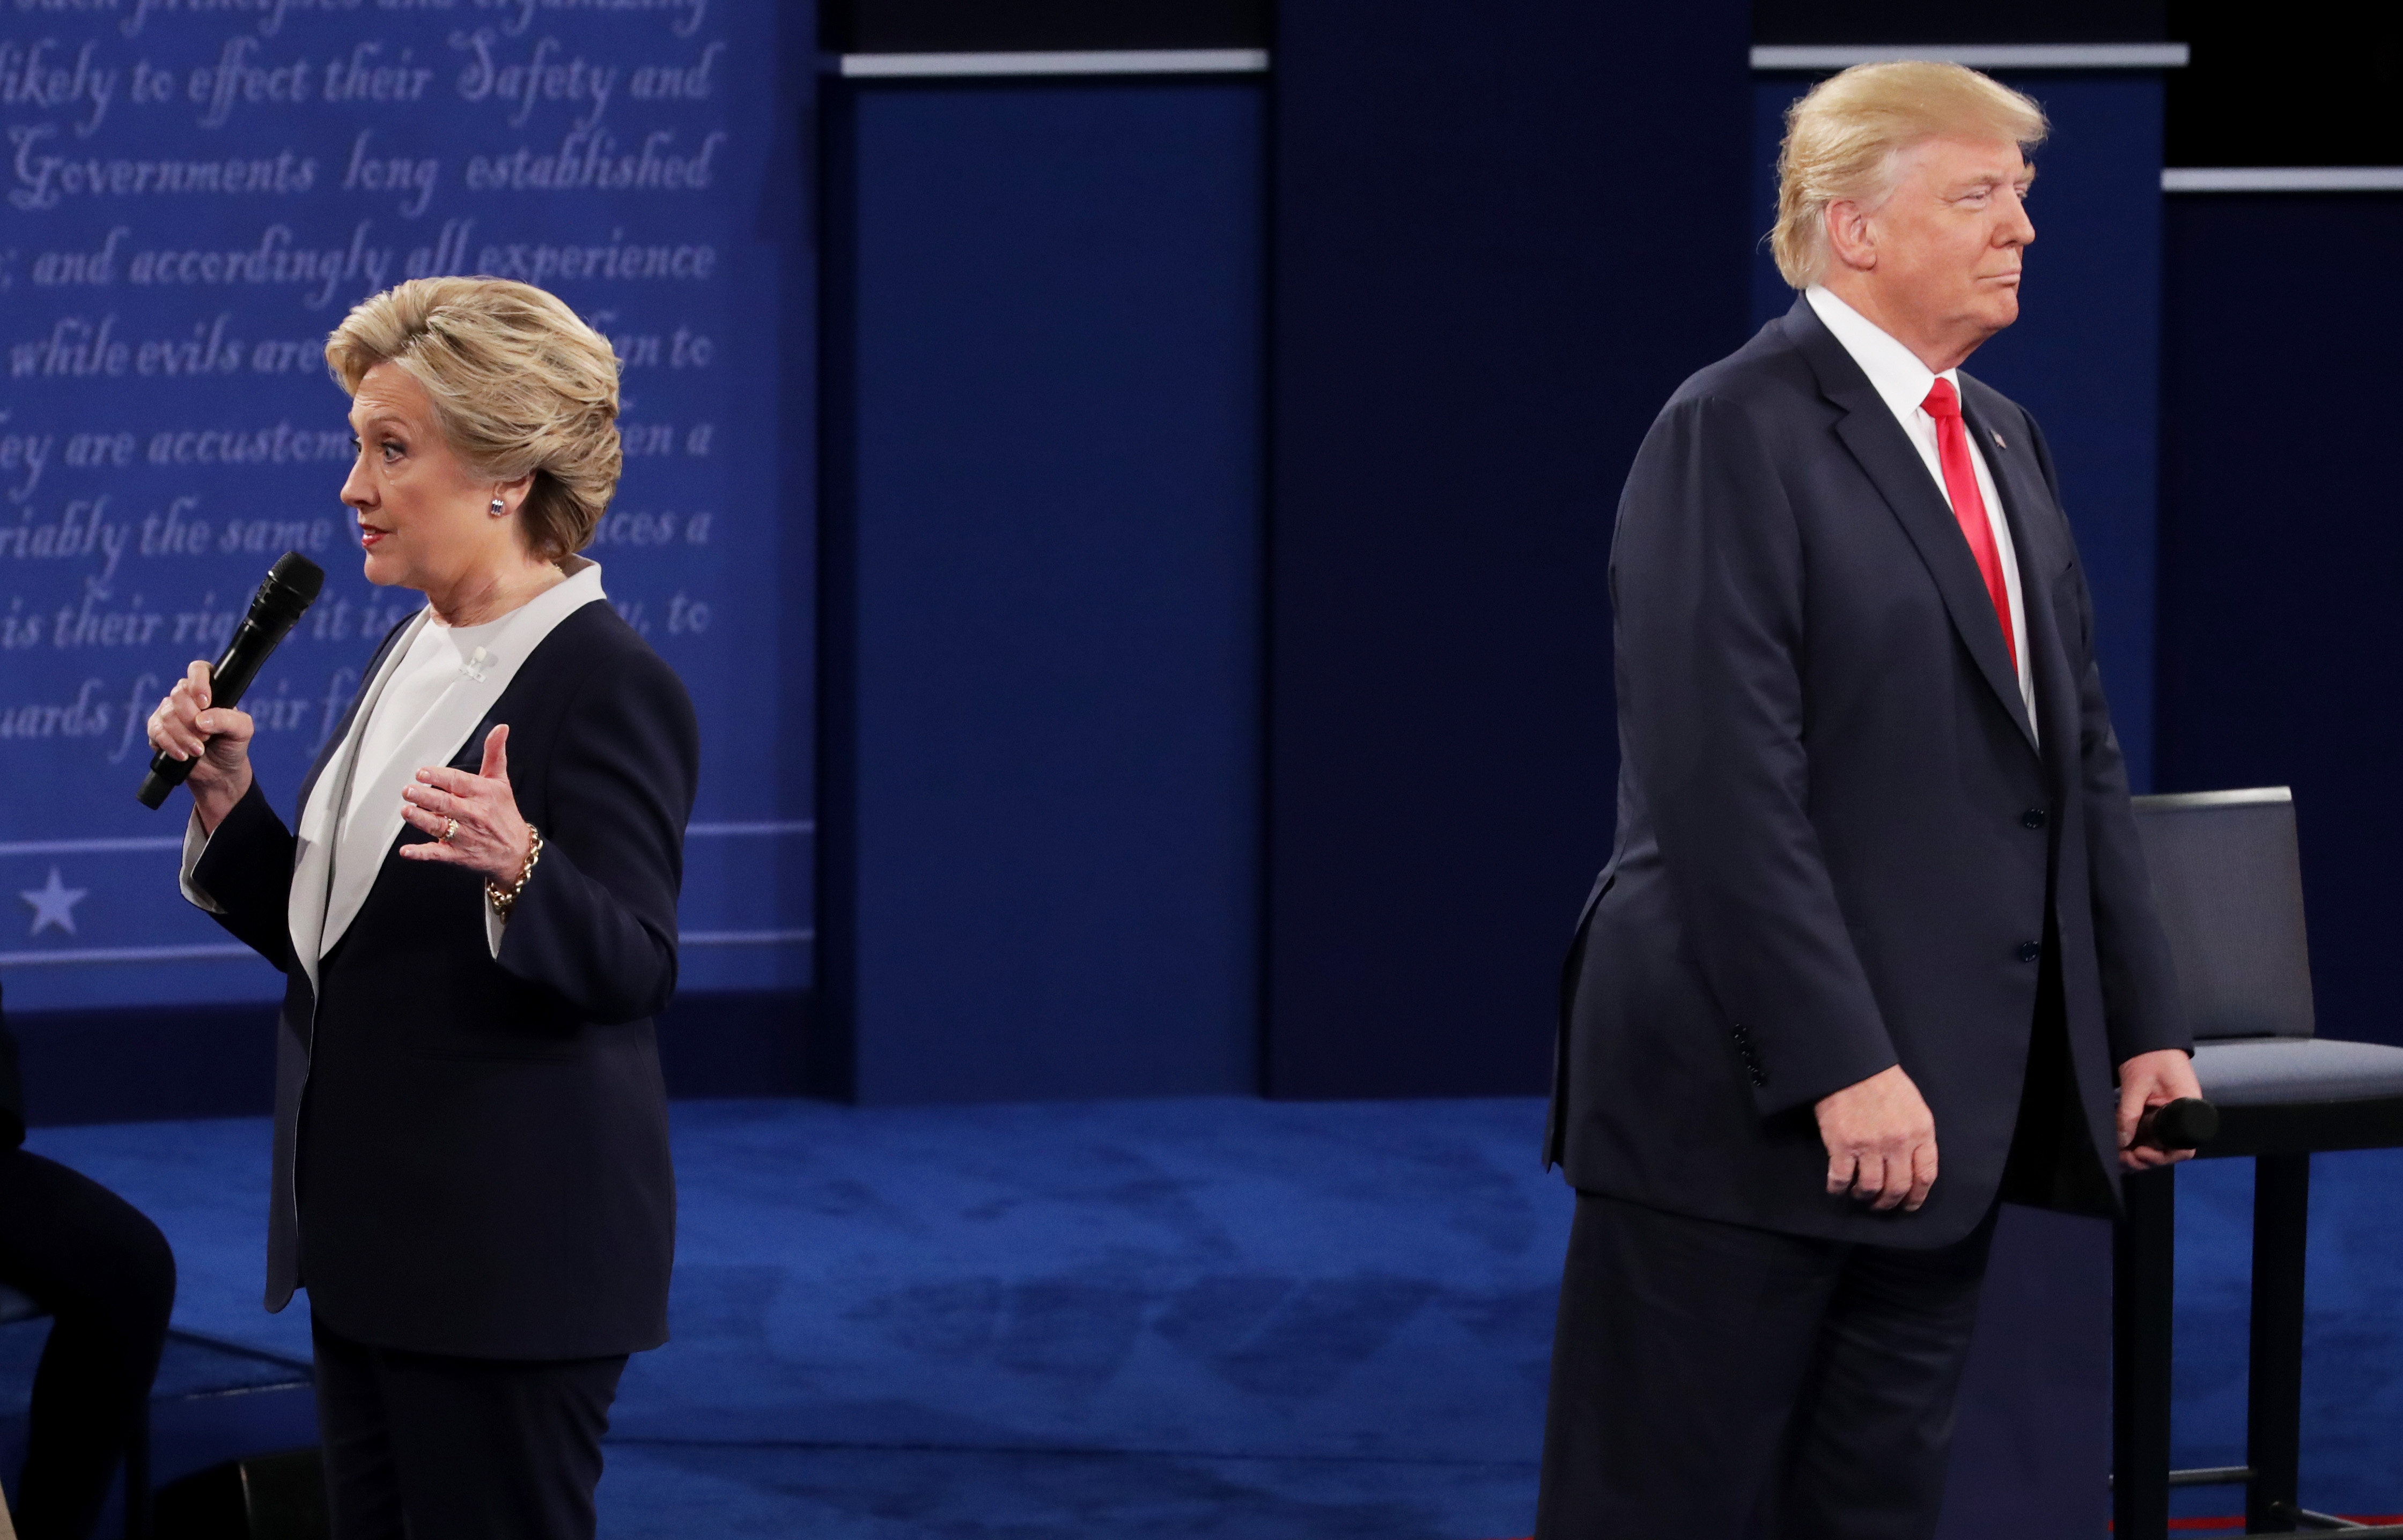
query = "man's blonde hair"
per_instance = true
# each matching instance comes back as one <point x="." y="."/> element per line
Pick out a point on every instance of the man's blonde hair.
<point x="1844" y="138"/>
<point x="521" y="386"/>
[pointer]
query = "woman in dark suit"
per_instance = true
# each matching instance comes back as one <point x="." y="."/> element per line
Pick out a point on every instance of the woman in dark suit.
<point x="476" y="912"/>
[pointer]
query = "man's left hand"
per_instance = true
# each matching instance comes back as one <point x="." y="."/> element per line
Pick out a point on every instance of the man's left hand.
<point x="2152" y="1080"/>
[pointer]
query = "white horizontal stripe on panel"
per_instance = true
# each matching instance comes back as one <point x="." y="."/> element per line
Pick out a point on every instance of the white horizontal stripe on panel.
<point x="762" y="829"/>
<point x="124" y="954"/>
<point x="1984" y="55"/>
<point x="90" y="846"/>
<point x="2178" y="800"/>
<point x="2282" y="179"/>
<point x="207" y="953"/>
<point x="759" y="830"/>
<point x="904" y="66"/>
<point x="210" y="953"/>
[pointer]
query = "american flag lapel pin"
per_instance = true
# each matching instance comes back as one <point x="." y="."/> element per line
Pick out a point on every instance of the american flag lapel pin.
<point x="1998" y="439"/>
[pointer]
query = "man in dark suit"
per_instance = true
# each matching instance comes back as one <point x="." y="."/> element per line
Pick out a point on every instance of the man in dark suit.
<point x="1876" y="892"/>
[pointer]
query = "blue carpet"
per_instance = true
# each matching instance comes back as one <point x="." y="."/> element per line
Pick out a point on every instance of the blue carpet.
<point x="1194" y="1318"/>
<point x="1199" y="1318"/>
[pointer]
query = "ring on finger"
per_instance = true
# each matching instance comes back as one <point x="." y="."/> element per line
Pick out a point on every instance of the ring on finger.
<point x="451" y="827"/>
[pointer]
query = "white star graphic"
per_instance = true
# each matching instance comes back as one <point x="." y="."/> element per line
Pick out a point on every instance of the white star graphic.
<point x="53" y="903"/>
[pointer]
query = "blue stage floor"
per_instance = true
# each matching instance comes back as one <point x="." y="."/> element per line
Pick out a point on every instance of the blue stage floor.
<point x="1188" y="1318"/>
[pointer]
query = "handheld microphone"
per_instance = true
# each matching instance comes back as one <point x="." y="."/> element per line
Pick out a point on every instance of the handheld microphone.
<point x="292" y="586"/>
<point x="2179" y="1125"/>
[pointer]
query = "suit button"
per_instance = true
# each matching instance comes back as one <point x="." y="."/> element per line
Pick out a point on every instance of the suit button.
<point x="2032" y="818"/>
<point x="2031" y="951"/>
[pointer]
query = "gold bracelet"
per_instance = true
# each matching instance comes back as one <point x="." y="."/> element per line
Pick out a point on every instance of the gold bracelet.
<point x="504" y="900"/>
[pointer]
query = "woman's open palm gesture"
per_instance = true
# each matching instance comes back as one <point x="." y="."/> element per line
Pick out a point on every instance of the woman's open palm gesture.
<point x="473" y="819"/>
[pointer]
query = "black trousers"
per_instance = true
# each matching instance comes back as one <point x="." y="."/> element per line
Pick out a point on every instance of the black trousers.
<point x="106" y="1277"/>
<point x="1728" y="1383"/>
<point x="432" y="1447"/>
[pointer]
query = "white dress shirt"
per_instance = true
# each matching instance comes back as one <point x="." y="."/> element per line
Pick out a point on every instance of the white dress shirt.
<point x="1902" y="383"/>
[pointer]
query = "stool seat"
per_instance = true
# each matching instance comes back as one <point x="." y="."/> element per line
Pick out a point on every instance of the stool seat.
<point x="2274" y="1071"/>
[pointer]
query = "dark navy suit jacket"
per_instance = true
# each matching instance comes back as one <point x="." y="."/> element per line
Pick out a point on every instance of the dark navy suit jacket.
<point x="471" y="1153"/>
<point x="1838" y="843"/>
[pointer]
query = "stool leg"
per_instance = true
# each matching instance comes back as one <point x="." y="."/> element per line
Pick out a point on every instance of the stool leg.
<point x="2273" y="1399"/>
<point x="2143" y="1256"/>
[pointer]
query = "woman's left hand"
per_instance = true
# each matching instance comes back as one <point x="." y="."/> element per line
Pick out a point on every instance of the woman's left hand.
<point x="488" y="837"/>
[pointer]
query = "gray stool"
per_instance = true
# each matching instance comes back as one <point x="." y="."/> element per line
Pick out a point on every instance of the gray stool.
<point x="2230" y="884"/>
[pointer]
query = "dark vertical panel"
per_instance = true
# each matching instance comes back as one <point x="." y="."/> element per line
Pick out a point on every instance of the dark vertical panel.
<point x="831" y="1061"/>
<point x="789" y="213"/>
<point x="1502" y="237"/>
<point x="2280" y="544"/>
<point x="1051" y="550"/>
<point x="2083" y="355"/>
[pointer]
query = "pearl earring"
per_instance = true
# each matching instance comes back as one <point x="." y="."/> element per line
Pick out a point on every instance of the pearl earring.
<point x="499" y="507"/>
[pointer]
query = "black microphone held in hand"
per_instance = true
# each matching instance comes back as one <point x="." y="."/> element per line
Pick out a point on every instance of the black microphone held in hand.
<point x="291" y="587"/>
<point x="2179" y="1125"/>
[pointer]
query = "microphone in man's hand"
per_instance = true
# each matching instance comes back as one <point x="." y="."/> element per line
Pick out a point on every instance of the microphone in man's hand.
<point x="291" y="587"/>
<point x="2179" y="1125"/>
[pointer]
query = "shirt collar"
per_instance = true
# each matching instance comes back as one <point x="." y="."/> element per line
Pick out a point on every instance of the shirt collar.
<point x="1896" y="373"/>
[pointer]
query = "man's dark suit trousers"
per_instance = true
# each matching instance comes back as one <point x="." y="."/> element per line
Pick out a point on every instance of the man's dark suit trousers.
<point x="1729" y="1383"/>
<point x="1751" y="1384"/>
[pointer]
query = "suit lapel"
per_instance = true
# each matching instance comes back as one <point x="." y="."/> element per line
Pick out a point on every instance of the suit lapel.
<point x="312" y="859"/>
<point x="2034" y="519"/>
<point x="1885" y="455"/>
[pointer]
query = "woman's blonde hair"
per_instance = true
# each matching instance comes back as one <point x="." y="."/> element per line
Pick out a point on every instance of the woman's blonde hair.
<point x="521" y="386"/>
<point x="1842" y="141"/>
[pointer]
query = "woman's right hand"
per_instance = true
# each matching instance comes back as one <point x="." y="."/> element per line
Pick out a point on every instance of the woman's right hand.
<point x="185" y="727"/>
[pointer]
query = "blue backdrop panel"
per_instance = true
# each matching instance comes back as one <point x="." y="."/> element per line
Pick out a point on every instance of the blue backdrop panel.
<point x="193" y="197"/>
<point x="1503" y="237"/>
<point x="2279" y="546"/>
<point x="2084" y="355"/>
<point x="1051" y="569"/>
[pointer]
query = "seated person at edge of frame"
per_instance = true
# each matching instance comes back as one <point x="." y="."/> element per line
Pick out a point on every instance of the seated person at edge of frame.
<point x="106" y="1276"/>
<point x="477" y="921"/>
<point x="1876" y="889"/>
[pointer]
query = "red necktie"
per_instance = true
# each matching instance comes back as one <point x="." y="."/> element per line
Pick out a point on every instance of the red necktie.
<point x="1961" y="480"/>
